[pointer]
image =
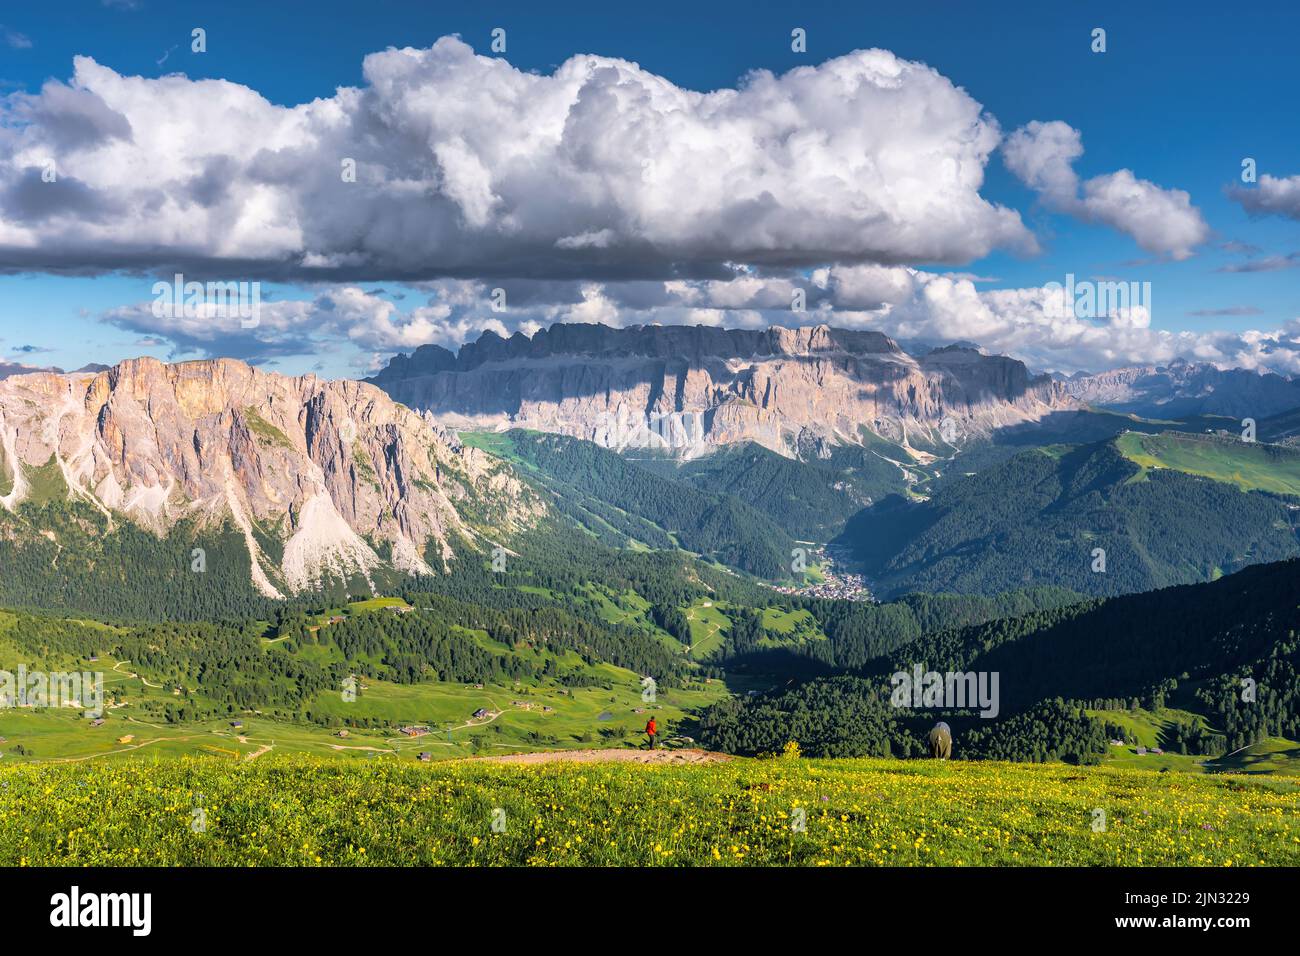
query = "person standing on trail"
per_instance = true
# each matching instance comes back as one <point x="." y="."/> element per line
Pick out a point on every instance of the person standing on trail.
<point x="651" y="731"/>
<point x="941" y="741"/>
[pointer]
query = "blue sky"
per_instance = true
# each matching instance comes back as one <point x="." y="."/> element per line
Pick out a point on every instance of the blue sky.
<point x="1182" y="94"/>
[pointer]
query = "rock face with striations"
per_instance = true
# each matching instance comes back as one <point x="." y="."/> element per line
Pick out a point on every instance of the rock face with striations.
<point x="336" y="472"/>
<point x="689" y="389"/>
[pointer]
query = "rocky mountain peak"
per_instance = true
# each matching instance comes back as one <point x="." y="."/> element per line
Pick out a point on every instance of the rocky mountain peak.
<point x="689" y="389"/>
<point x="1187" y="388"/>
<point x="335" y="471"/>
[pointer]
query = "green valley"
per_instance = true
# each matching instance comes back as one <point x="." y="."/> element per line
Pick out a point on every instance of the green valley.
<point x="1115" y="517"/>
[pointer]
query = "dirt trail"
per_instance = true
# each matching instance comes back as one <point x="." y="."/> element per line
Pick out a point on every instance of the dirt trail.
<point x="618" y="756"/>
<point x="713" y="628"/>
<point x="120" y="750"/>
<point x="259" y="751"/>
<point x="142" y="680"/>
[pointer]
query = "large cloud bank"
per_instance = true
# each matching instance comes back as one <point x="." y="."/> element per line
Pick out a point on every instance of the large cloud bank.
<point x="467" y="166"/>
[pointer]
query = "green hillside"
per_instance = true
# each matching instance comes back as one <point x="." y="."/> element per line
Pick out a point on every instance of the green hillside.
<point x="1039" y="518"/>
<point x="809" y="499"/>
<point x="1249" y="466"/>
<point x="179" y="689"/>
<point x="625" y="505"/>
<point x="1165" y="669"/>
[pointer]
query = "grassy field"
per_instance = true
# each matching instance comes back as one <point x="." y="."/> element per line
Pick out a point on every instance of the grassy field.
<point x="793" y="627"/>
<point x="524" y="716"/>
<point x="308" y="811"/>
<point x="1148" y="727"/>
<point x="1249" y="466"/>
<point x="709" y="627"/>
<point x="546" y="716"/>
<point x="1273" y="755"/>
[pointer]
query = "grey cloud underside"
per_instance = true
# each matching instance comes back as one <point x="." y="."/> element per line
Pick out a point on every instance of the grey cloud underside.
<point x="145" y="260"/>
<point x="468" y="168"/>
<point x="1272" y="196"/>
<point x="29" y="198"/>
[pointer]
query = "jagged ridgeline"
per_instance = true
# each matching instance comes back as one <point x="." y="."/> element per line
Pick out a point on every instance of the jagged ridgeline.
<point x="212" y="489"/>
<point x="696" y="388"/>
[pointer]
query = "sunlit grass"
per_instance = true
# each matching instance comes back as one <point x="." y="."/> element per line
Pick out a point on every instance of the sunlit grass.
<point x="301" y="810"/>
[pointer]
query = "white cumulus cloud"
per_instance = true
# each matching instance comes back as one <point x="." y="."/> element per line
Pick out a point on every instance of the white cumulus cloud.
<point x="1161" y="221"/>
<point x="466" y="166"/>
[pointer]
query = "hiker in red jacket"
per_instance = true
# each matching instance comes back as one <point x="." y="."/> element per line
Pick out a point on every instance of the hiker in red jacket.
<point x="651" y="731"/>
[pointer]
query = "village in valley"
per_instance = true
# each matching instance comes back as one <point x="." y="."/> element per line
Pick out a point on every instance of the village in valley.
<point x="836" y="583"/>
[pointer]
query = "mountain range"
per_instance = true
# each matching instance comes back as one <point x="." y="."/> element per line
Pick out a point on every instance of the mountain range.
<point x="690" y="389"/>
<point x="1128" y="514"/>
<point x="806" y="511"/>
<point x="1186" y="388"/>
<point x="797" y="391"/>
<point x="735" y="445"/>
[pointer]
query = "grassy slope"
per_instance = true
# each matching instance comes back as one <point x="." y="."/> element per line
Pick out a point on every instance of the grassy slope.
<point x="1249" y="466"/>
<point x="281" y="810"/>
<point x="638" y="508"/>
<point x="1273" y="755"/>
<point x="708" y="628"/>
<point x="579" y="717"/>
<point x="1149" y="727"/>
<point x="1034" y="519"/>
<point x="604" y="713"/>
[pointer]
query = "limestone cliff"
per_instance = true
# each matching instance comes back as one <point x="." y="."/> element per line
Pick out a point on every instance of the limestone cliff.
<point x="690" y="389"/>
<point x="341" y="477"/>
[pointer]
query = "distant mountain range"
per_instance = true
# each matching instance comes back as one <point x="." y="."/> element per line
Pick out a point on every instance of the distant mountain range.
<point x="18" y="368"/>
<point x="738" y="445"/>
<point x="1185" y="388"/>
<point x="691" y="389"/>
<point x="758" y="495"/>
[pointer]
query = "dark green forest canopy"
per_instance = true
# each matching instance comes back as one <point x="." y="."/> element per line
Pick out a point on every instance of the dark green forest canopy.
<point x="1118" y="652"/>
<point x="621" y="502"/>
<point x="1038" y="517"/>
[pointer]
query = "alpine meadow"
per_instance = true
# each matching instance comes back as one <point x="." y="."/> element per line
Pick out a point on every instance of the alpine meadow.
<point x="701" y="437"/>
